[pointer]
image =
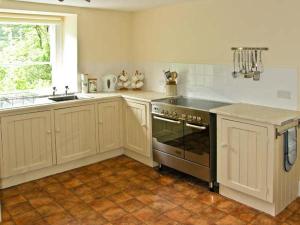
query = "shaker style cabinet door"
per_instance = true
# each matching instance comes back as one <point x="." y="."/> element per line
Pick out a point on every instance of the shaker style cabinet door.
<point x="109" y="120"/>
<point x="26" y="142"/>
<point x="242" y="157"/>
<point x="75" y="134"/>
<point x="136" y="127"/>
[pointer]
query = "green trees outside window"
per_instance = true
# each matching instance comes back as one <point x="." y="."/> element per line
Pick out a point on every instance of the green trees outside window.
<point x="24" y="57"/>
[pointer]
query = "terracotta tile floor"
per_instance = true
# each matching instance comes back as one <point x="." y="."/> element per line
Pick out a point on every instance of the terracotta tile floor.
<point x="123" y="191"/>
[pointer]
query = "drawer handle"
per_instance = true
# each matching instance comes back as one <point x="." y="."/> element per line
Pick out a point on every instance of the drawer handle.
<point x="166" y="120"/>
<point x="196" y="126"/>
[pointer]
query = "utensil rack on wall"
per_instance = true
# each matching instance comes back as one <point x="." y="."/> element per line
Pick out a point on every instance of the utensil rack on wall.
<point x="247" y="62"/>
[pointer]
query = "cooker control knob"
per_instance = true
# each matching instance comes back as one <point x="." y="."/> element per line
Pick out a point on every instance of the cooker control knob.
<point x="190" y="117"/>
<point x="174" y="114"/>
<point x="194" y="118"/>
<point x="199" y="118"/>
<point x="183" y="116"/>
<point x="166" y="112"/>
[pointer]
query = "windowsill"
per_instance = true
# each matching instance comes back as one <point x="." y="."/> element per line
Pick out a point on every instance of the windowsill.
<point x="32" y="93"/>
<point x="16" y="102"/>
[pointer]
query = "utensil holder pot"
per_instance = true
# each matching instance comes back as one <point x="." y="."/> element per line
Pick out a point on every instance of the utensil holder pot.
<point x="171" y="90"/>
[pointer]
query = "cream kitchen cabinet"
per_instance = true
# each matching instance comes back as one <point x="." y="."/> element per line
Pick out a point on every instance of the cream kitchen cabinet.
<point x="242" y="158"/>
<point x="137" y="127"/>
<point x="250" y="164"/>
<point x="26" y="143"/>
<point x="75" y="133"/>
<point x="109" y="125"/>
<point x="42" y="140"/>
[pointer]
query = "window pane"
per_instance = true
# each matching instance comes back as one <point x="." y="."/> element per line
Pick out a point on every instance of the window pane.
<point x="24" y="43"/>
<point x="25" y="77"/>
<point x="24" y="57"/>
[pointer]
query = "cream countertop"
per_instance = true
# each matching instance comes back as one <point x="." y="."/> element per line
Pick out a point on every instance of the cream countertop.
<point x="45" y="103"/>
<point x="269" y="115"/>
<point x="147" y="96"/>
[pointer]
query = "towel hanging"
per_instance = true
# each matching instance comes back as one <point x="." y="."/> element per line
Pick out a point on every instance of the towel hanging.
<point x="290" y="148"/>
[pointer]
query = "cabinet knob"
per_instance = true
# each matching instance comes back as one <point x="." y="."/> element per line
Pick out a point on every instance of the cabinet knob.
<point x="48" y="131"/>
<point x="229" y="147"/>
<point x="57" y="130"/>
<point x="224" y="145"/>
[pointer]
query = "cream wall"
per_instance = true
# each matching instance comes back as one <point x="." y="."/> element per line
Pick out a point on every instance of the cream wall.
<point x="197" y="31"/>
<point x="104" y="36"/>
<point x="202" y="31"/>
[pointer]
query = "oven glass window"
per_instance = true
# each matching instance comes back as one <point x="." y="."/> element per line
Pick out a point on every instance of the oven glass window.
<point x="168" y="132"/>
<point x="197" y="143"/>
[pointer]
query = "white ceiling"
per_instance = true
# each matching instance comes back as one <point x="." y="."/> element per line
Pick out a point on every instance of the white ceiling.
<point x="126" y="5"/>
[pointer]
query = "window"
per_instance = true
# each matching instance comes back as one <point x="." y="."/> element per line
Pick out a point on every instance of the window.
<point x="25" y="57"/>
<point x="38" y="50"/>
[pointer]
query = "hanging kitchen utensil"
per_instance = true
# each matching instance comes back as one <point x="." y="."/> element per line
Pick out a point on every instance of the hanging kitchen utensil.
<point x="248" y="73"/>
<point x="240" y="62"/>
<point x="260" y="62"/>
<point x="234" y="73"/>
<point x="253" y="68"/>
<point x="256" y="75"/>
<point x="243" y="62"/>
<point x="251" y="73"/>
<point x="247" y="62"/>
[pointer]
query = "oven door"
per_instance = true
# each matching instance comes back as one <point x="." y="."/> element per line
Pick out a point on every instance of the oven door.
<point x="197" y="143"/>
<point x="168" y="135"/>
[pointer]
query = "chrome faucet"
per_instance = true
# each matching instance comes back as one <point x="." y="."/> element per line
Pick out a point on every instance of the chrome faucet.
<point x="66" y="90"/>
<point x="54" y="91"/>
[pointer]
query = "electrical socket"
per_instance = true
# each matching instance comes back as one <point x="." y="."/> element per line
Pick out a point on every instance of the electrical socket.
<point x="284" y="94"/>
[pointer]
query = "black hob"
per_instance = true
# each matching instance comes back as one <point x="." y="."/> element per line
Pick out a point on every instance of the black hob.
<point x="192" y="103"/>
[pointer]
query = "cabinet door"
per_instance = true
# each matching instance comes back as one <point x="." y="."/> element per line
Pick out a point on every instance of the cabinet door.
<point x="109" y="120"/>
<point x="136" y="128"/>
<point x="26" y="143"/>
<point x="242" y="158"/>
<point x="75" y="133"/>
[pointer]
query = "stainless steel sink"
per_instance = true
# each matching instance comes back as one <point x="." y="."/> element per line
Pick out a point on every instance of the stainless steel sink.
<point x="64" y="98"/>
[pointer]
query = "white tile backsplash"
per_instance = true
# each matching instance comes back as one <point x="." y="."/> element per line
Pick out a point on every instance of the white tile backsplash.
<point x="215" y="82"/>
<point x="212" y="82"/>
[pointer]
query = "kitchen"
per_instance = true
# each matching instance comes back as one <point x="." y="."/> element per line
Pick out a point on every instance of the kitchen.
<point x="97" y="159"/>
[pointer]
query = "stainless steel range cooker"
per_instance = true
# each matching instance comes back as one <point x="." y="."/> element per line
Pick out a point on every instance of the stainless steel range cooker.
<point x="184" y="136"/>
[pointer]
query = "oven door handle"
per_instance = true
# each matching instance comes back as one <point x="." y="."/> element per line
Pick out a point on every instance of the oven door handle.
<point x="166" y="120"/>
<point x="196" y="126"/>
